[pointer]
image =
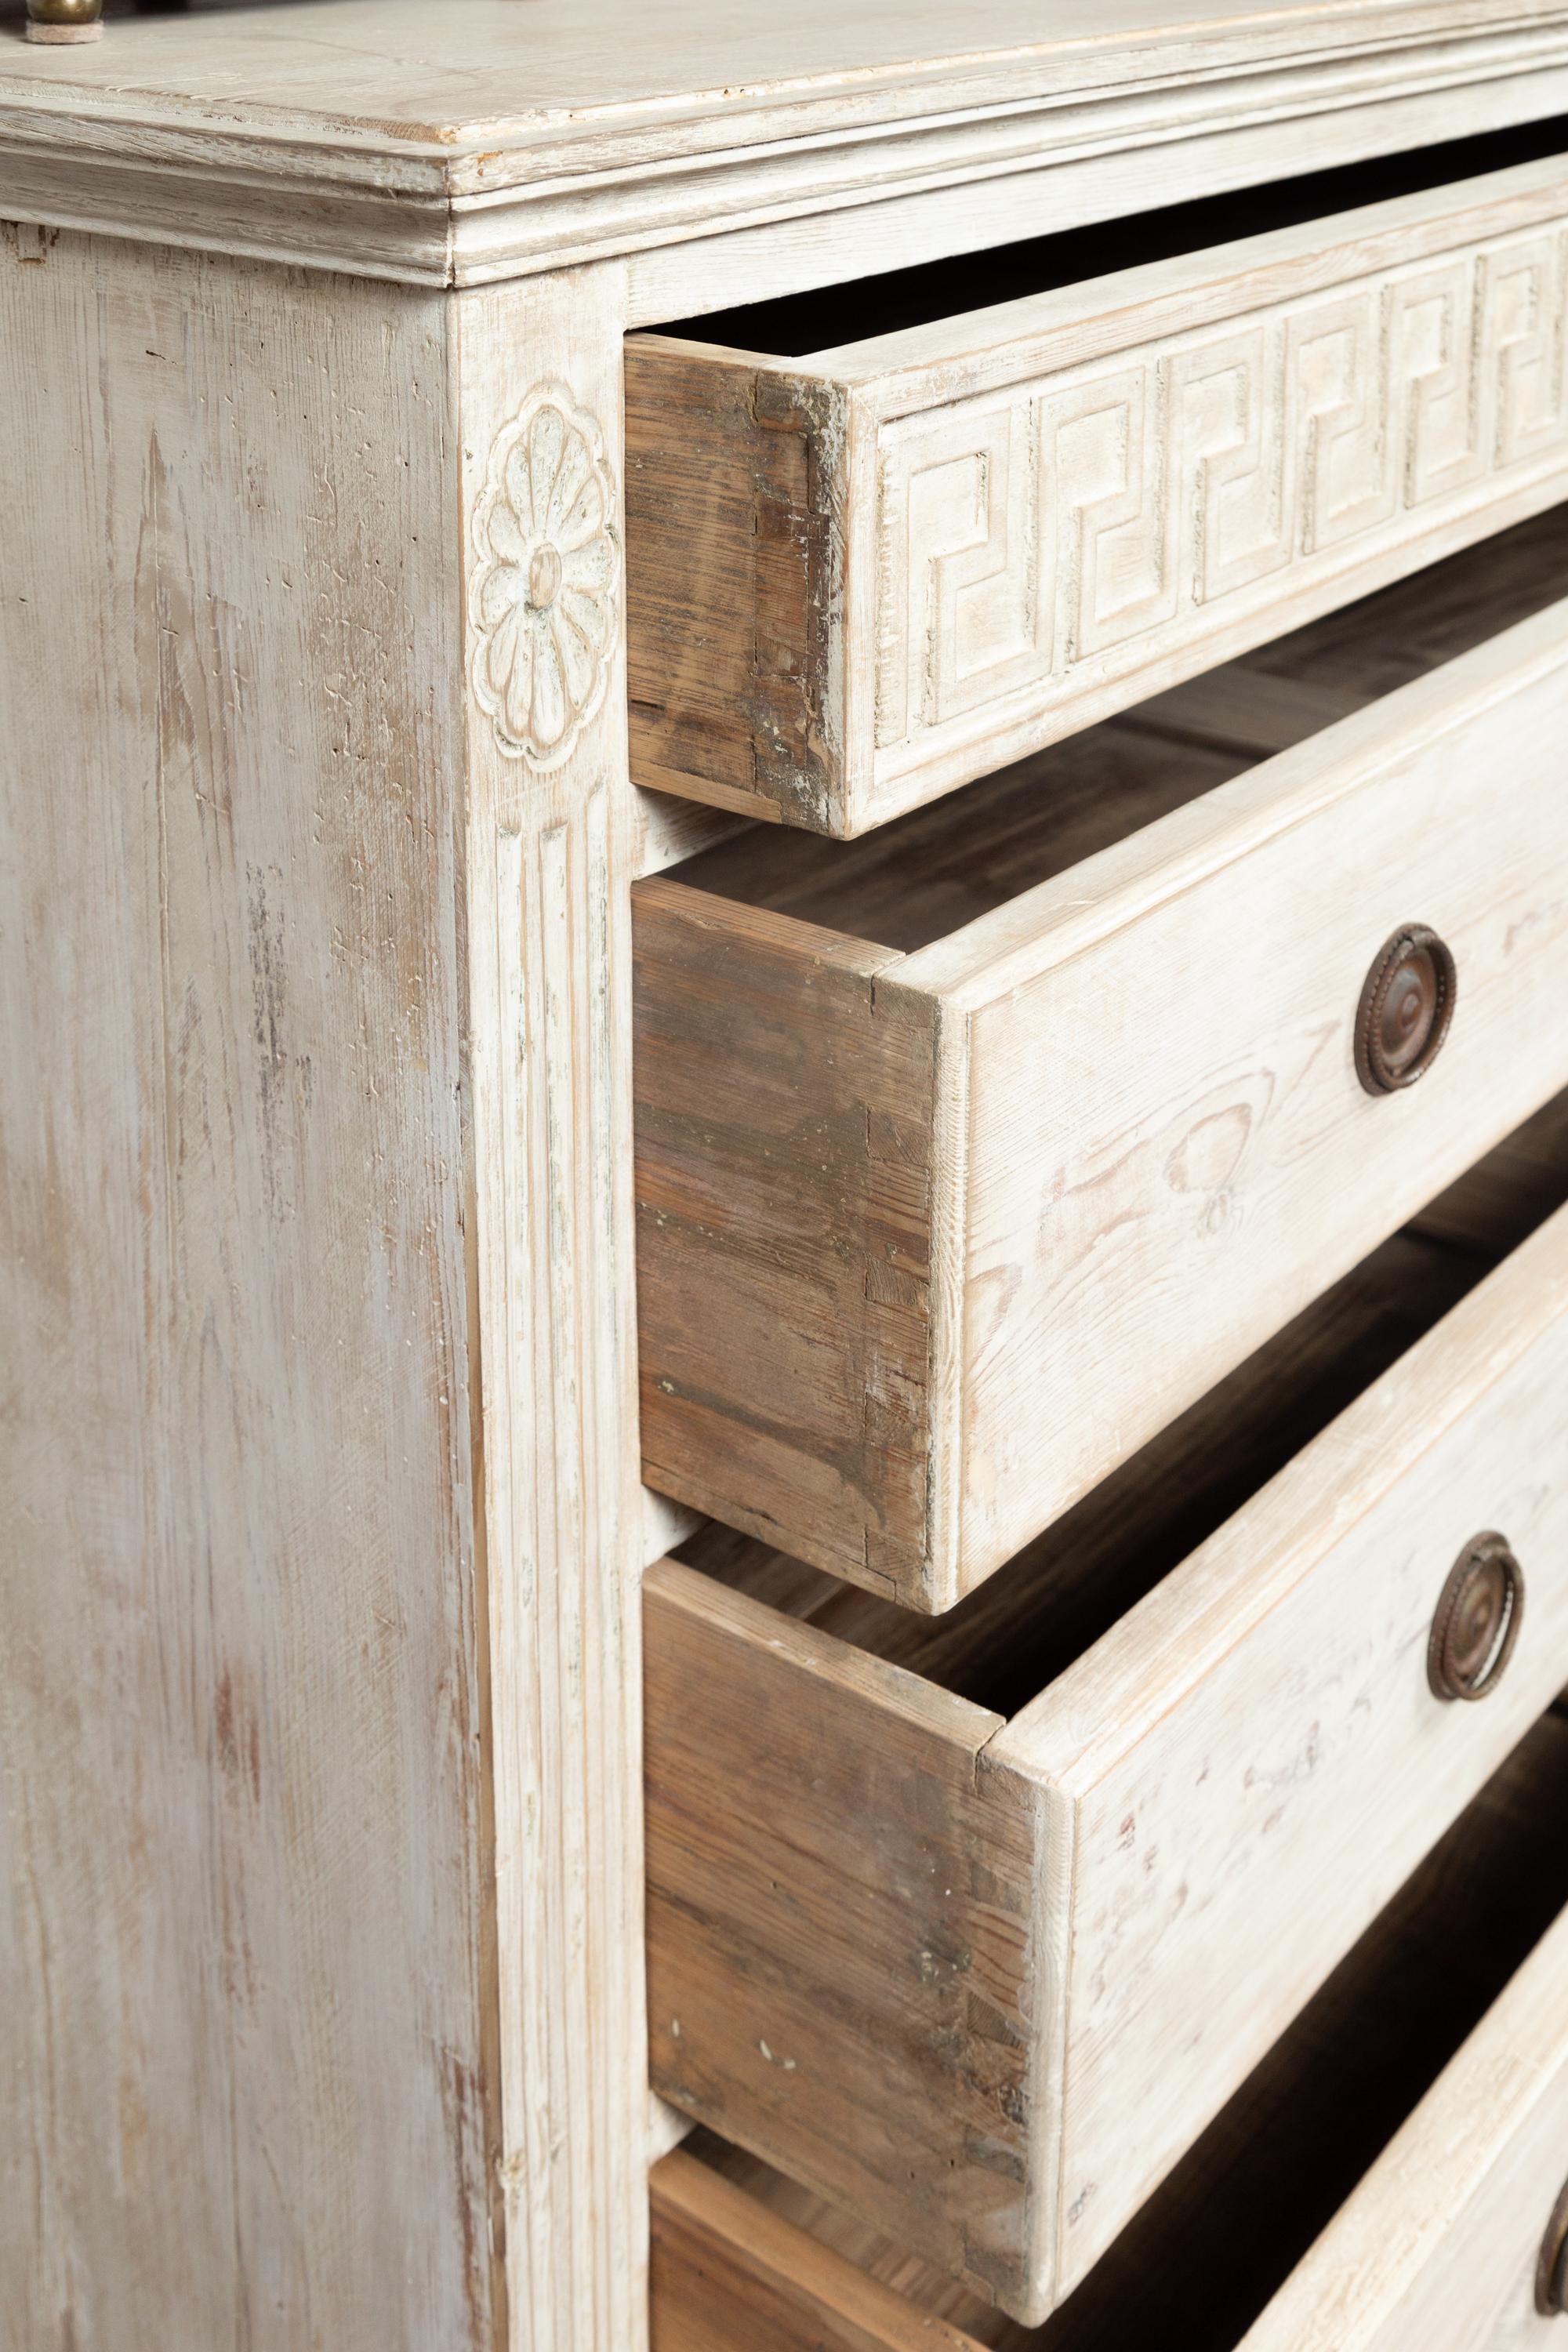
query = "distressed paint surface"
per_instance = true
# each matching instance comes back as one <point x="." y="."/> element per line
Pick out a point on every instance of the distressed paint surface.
<point x="867" y="575"/>
<point x="551" y="843"/>
<point x="246" y="2091"/>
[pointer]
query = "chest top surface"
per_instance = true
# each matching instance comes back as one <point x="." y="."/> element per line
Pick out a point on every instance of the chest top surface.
<point x="405" y="137"/>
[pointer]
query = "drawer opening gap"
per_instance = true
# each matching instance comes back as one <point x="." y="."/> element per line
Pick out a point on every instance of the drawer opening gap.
<point x="794" y="326"/>
<point x="926" y="875"/>
<point x="1015" y="1634"/>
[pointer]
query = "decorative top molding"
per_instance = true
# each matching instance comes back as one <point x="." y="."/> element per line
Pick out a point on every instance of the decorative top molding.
<point x="465" y="142"/>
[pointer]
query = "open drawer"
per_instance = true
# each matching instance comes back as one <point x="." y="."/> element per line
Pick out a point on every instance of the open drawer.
<point x="861" y="576"/>
<point x="938" y="1219"/>
<point x="974" y="1926"/>
<point x="1387" y="2181"/>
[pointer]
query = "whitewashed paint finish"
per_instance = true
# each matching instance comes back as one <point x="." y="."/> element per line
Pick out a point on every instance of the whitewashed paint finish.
<point x="1259" y="1728"/>
<point x="1235" y="1165"/>
<point x="478" y="140"/>
<point x="375" y="154"/>
<point x="1041" y="542"/>
<point x="980" y="534"/>
<point x="315" y="1897"/>
<point x="246" y="2073"/>
<point x="552" y="840"/>
<point x="1226" y="1791"/>
<point x="1436" y="2249"/>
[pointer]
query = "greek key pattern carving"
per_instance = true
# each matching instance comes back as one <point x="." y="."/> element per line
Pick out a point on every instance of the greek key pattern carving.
<point x="1069" y="530"/>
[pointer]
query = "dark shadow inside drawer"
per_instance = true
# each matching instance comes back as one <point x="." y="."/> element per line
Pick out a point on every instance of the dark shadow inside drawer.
<point x="925" y="875"/>
<point x="1214" y="2243"/>
<point x="1015" y="1634"/>
<point x="796" y="324"/>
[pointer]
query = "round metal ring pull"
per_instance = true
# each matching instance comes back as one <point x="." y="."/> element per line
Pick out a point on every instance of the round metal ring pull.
<point x="1406" y="1010"/>
<point x="1551" y="2271"/>
<point x="1478" y="1620"/>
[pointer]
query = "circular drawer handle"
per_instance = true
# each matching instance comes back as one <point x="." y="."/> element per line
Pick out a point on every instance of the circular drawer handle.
<point x="1405" y="1011"/>
<point x="1551" y="2271"/>
<point x="1476" y="1625"/>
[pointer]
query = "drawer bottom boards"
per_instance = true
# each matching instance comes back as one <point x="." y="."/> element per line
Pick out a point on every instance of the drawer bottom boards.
<point x="1384" y="2181"/>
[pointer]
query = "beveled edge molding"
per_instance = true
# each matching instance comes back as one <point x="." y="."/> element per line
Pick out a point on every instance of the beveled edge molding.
<point x="428" y="211"/>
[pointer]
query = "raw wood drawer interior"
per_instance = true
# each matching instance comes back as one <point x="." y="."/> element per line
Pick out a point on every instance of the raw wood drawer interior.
<point x="860" y="572"/>
<point x="972" y="1926"/>
<point x="970" y="1153"/>
<point x="1450" y="2152"/>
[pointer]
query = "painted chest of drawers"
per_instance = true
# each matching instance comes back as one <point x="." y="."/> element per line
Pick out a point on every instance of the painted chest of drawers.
<point x="785" y="787"/>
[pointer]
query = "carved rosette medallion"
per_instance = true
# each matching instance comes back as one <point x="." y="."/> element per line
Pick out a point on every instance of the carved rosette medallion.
<point x="547" y="567"/>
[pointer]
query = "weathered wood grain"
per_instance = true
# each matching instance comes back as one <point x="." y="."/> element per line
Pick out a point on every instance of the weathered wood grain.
<point x="1259" y="1722"/>
<point x="727" y="2272"/>
<point x="247" y="1966"/>
<point x="845" y="1963"/>
<point x="1147" y="1144"/>
<point x="948" y="545"/>
<point x="1395" y="2155"/>
<point x="321" y="1709"/>
<point x="804" y="1240"/>
<point x="551" y="842"/>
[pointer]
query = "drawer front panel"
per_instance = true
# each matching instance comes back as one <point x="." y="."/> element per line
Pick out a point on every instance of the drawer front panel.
<point x="1255" y="1757"/>
<point x="857" y="581"/>
<point x="1041" y="549"/>
<point x="927" y="1246"/>
<point x="983" y="1983"/>
<point x="1171" y="1149"/>
<point x="1438" y="2248"/>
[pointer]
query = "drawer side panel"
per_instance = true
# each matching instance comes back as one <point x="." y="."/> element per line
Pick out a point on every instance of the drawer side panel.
<point x="734" y="566"/>
<point x="784" y="1116"/>
<point x="842" y="1946"/>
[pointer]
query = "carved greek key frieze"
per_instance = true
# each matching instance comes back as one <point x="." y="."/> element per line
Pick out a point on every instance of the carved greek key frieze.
<point x="1081" y="524"/>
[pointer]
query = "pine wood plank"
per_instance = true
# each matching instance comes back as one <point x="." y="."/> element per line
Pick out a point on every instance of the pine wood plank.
<point x="321" y="1710"/>
<point x="1396" y="2154"/>
<point x="727" y="2272"/>
<point x="824" y="1283"/>
<point x="1143" y="1146"/>
<point x="247" y="1980"/>
<point x="905" y="1912"/>
<point x="1259" y="1722"/>
<point x="936" y="550"/>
